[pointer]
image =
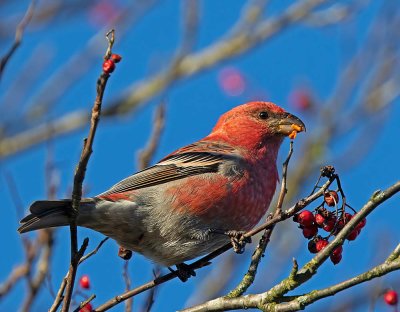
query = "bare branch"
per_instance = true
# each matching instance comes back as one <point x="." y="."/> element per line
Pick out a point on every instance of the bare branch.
<point x="146" y="154"/>
<point x="18" y="36"/>
<point x="76" y="254"/>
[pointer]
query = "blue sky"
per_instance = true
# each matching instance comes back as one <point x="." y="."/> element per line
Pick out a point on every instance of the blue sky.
<point x="301" y="55"/>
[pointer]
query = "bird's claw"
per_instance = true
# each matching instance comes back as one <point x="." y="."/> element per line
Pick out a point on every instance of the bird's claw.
<point x="238" y="240"/>
<point x="183" y="271"/>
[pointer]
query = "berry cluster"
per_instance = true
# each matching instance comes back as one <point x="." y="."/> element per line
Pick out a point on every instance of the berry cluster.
<point x="329" y="221"/>
<point x="109" y="65"/>
<point x="84" y="282"/>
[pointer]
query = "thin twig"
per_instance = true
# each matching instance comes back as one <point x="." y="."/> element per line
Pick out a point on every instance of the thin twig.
<point x="83" y="303"/>
<point x="60" y="293"/>
<point x="146" y="154"/>
<point x="127" y="280"/>
<point x="18" y="36"/>
<point x="94" y="251"/>
<point x="80" y="176"/>
<point x="148" y="303"/>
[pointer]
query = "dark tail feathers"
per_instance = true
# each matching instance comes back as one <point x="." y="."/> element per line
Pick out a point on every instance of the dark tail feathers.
<point x="45" y="214"/>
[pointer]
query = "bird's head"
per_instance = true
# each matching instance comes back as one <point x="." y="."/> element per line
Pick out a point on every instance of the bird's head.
<point x="257" y="124"/>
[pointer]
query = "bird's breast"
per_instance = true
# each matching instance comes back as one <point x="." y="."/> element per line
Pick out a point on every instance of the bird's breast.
<point x="234" y="199"/>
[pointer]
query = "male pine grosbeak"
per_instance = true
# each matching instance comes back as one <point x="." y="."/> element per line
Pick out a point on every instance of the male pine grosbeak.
<point x="168" y="211"/>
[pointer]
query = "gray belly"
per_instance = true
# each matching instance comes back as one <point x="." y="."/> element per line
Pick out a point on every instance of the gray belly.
<point x="165" y="238"/>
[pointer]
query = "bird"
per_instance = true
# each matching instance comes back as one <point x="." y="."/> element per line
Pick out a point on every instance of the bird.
<point x="182" y="207"/>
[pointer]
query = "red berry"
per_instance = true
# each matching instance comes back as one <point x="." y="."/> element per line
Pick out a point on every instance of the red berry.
<point x="391" y="297"/>
<point x="347" y="217"/>
<point x="310" y="231"/>
<point x="336" y="258"/>
<point x="321" y="244"/>
<point x="301" y="99"/>
<point x="108" y="66"/>
<point x="353" y="235"/>
<point x="86" y="308"/>
<point x="329" y="225"/>
<point x="116" y="58"/>
<point x="361" y="224"/>
<point x="312" y="246"/>
<point x="331" y="198"/>
<point x="84" y="281"/>
<point x="340" y="225"/>
<point x="306" y="218"/>
<point x="319" y="219"/>
<point x="337" y="251"/>
<point x="232" y="81"/>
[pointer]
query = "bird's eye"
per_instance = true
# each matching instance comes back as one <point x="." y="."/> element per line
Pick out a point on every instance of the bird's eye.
<point x="263" y="115"/>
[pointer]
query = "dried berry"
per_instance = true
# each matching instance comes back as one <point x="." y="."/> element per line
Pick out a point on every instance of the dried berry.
<point x="331" y="198"/>
<point x="125" y="254"/>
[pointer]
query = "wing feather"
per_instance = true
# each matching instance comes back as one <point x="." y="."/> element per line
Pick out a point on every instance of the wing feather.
<point x="173" y="167"/>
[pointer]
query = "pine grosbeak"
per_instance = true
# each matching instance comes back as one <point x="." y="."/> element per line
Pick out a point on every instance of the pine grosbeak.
<point x="168" y="212"/>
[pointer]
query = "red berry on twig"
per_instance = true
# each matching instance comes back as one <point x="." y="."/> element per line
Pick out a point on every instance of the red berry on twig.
<point x="337" y="251"/>
<point x="86" y="308"/>
<point x="116" y="58"/>
<point x="331" y="198"/>
<point x="312" y="246"/>
<point x="319" y="219"/>
<point x="336" y="258"/>
<point x="391" y="297"/>
<point x="353" y="235"/>
<point x="347" y="217"/>
<point x="361" y="224"/>
<point x="305" y="218"/>
<point x="310" y="231"/>
<point x="321" y="244"/>
<point x="84" y="281"/>
<point x="329" y="225"/>
<point x="108" y="66"/>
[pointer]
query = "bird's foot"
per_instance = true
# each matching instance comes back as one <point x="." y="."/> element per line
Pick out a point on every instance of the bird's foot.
<point x="183" y="271"/>
<point x="238" y="239"/>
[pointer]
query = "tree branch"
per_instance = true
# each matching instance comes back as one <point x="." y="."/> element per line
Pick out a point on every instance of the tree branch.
<point x="76" y="254"/>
